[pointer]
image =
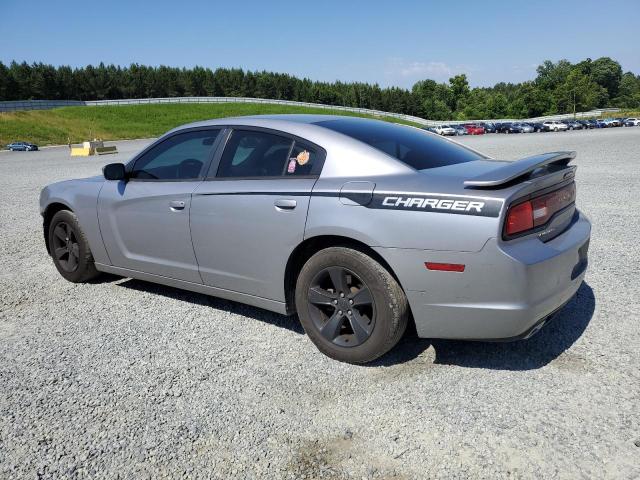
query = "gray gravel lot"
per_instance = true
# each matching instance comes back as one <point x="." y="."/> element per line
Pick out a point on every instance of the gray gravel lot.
<point x="123" y="378"/>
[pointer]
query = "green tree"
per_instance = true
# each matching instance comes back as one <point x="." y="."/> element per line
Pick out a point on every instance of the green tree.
<point x="628" y="91"/>
<point x="608" y="74"/>
<point x="497" y="106"/>
<point x="550" y="74"/>
<point x="459" y="90"/>
<point x="433" y="99"/>
<point x="579" y="93"/>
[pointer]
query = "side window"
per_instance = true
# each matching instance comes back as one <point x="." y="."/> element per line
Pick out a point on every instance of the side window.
<point x="180" y="157"/>
<point x="251" y="153"/>
<point x="302" y="160"/>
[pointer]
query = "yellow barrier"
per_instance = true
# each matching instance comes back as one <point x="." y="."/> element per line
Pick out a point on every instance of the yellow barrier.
<point x="80" y="152"/>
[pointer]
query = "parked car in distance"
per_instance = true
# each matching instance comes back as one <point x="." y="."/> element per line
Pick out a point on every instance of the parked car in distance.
<point x="22" y="147"/>
<point x="460" y="130"/>
<point x="524" y="127"/>
<point x="537" y="126"/>
<point x="554" y="126"/>
<point x="632" y="122"/>
<point x="585" y="124"/>
<point x="600" y="123"/>
<point x="444" y="130"/>
<point x="325" y="217"/>
<point x="489" y="127"/>
<point x="509" y="128"/>
<point x="572" y="124"/>
<point x="474" y="129"/>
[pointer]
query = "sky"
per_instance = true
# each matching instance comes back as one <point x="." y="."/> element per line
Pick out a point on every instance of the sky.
<point x="392" y="43"/>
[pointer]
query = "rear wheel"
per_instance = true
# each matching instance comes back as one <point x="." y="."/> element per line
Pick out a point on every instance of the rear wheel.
<point x="350" y="306"/>
<point x="69" y="248"/>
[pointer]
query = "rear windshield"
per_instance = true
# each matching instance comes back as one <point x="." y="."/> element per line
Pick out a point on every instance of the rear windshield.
<point x="414" y="147"/>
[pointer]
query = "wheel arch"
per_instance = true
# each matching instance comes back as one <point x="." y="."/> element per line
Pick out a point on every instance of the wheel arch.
<point x="49" y="212"/>
<point x="310" y="246"/>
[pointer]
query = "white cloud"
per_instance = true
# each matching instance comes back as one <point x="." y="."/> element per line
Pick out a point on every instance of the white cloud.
<point x="437" y="69"/>
<point x="399" y="71"/>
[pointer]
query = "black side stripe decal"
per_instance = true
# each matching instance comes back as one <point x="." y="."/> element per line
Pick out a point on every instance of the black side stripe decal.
<point x="457" y="205"/>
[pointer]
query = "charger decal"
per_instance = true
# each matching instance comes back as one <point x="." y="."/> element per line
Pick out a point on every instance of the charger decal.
<point x="478" y="206"/>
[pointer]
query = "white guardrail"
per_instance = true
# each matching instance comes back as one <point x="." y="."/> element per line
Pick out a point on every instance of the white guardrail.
<point x="49" y="104"/>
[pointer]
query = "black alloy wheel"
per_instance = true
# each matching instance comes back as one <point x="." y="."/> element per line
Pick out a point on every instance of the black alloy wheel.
<point x="65" y="247"/>
<point x="351" y="307"/>
<point x="342" y="307"/>
<point x="69" y="248"/>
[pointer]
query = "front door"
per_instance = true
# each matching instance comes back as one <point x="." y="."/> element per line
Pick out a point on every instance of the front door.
<point x="247" y="219"/>
<point x="144" y="221"/>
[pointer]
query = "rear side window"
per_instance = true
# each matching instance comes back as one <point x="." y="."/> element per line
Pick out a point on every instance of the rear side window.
<point x="251" y="153"/>
<point x="412" y="146"/>
<point x="180" y="157"/>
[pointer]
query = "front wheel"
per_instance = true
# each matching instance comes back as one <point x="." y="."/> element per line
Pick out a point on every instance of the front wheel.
<point x="69" y="248"/>
<point x="350" y="306"/>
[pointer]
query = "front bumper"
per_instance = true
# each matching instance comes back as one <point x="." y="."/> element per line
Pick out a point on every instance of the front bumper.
<point x="506" y="290"/>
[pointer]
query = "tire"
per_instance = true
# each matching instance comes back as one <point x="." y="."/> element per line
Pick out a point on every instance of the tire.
<point x="378" y="306"/>
<point x="69" y="248"/>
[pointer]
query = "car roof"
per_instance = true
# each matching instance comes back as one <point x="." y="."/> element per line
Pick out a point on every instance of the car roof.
<point x="276" y="119"/>
<point x="296" y="124"/>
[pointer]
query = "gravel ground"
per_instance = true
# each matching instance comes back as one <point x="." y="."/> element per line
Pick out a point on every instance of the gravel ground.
<point x="122" y="378"/>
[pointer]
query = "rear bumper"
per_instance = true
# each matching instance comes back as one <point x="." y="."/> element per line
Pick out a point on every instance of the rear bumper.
<point x="505" y="292"/>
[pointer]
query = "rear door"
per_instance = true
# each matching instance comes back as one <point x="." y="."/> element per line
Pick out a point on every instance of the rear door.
<point x="145" y="220"/>
<point x="250" y="213"/>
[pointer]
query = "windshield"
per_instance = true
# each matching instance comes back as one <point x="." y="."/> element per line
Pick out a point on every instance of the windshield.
<point x="412" y="146"/>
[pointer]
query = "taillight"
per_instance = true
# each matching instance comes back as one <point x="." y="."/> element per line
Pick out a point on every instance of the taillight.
<point x="519" y="218"/>
<point x="538" y="211"/>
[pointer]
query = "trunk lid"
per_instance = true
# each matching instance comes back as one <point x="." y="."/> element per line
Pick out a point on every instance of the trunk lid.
<point x="523" y="169"/>
<point x="497" y="184"/>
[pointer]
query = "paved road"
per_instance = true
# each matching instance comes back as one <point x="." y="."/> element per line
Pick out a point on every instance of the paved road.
<point x="125" y="378"/>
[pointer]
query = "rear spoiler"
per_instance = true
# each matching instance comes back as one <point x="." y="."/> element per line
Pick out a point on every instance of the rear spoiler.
<point x="519" y="168"/>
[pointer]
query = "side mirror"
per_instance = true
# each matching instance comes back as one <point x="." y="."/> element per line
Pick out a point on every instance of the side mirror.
<point x="114" y="171"/>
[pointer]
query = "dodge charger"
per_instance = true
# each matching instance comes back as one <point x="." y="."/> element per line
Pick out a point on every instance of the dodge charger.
<point x="357" y="226"/>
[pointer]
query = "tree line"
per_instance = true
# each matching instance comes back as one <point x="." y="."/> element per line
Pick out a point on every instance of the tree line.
<point x="559" y="87"/>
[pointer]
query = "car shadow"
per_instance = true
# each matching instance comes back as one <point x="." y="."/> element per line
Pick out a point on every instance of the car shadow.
<point x="289" y="322"/>
<point x="549" y="343"/>
<point x="536" y="352"/>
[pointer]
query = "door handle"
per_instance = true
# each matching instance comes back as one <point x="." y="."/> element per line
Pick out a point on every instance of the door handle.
<point x="176" y="205"/>
<point x="285" y="204"/>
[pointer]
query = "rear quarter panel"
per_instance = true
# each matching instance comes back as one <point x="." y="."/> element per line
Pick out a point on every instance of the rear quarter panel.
<point x="387" y="228"/>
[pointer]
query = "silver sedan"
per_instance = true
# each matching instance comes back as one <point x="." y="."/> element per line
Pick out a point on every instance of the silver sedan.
<point x="358" y="226"/>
